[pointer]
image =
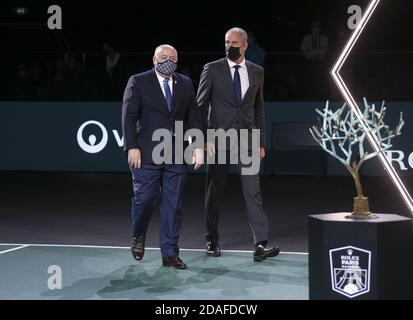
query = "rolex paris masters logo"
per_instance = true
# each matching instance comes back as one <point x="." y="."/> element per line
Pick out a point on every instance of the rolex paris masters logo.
<point x="350" y="271"/>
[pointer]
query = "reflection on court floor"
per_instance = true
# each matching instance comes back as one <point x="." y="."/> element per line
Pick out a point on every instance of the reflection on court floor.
<point x="92" y="272"/>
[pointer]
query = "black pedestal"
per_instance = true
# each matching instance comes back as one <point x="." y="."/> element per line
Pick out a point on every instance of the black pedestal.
<point x="360" y="259"/>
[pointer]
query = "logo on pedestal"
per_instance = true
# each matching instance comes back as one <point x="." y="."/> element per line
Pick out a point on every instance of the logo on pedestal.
<point x="350" y="271"/>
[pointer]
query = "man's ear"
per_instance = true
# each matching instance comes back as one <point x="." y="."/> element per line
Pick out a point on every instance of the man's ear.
<point x="246" y="46"/>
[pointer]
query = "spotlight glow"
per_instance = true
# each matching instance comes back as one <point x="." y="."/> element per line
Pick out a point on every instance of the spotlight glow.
<point x="335" y="73"/>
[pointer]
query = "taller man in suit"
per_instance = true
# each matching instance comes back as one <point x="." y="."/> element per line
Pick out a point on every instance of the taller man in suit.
<point x="230" y="95"/>
<point x="153" y="100"/>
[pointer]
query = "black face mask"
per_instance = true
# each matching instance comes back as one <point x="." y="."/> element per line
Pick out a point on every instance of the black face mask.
<point x="233" y="53"/>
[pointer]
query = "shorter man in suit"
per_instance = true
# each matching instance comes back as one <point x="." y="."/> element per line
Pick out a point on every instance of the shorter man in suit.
<point x="154" y="100"/>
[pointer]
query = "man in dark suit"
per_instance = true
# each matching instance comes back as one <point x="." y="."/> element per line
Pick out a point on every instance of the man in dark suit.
<point x="231" y="94"/>
<point x="154" y="100"/>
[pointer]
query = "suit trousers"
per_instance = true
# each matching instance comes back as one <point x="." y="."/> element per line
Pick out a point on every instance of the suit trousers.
<point x="159" y="184"/>
<point x="215" y="182"/>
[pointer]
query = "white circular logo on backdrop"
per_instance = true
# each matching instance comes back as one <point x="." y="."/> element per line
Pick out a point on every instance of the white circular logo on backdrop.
<point x="91" y="146"/>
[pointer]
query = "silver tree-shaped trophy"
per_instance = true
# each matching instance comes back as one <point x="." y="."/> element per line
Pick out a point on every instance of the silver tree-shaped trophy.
<point x="342" y="136"/>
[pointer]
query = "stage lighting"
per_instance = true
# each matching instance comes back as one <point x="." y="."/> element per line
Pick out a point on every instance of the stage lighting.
<point x="335" y="73"/>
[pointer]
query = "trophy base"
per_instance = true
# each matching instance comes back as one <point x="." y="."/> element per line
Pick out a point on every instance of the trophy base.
<point x="364" y="216"/>
<point x="388" y="247"/>
<point x="361" y="209"/>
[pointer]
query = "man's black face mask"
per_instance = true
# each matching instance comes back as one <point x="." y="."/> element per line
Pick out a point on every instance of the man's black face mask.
<point x="233" y="53"/>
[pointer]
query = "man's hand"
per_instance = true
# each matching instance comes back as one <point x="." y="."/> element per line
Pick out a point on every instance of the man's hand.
<point x="262" y="153"/>
<point x="210" y="148"/>
<point x="134" y="158"/>
<point x="198" y="158"/>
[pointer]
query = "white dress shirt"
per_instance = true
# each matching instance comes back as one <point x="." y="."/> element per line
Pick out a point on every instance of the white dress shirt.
<point x="161" y="79"/>
<point x="243" y="75"/>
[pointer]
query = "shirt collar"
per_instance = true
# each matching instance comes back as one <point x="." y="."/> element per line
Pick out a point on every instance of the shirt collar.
<point x="232" y="63"/>
<point x="161" y="78"/>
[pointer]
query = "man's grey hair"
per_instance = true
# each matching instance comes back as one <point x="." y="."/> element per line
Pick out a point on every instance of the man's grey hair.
<point x="242" y="32"/>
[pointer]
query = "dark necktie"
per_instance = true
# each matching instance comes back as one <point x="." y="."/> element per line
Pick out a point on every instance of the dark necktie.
<point x="168" y="94"/>
<point x="237" y="86"/>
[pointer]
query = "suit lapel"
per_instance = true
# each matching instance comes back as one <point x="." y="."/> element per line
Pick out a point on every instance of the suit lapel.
<point x="176" y="84"/>
<point x="227" y="77"/>
<point x="251" y="79"/>
<point x="158" y="93"/>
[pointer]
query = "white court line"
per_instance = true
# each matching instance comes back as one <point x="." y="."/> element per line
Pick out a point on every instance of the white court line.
<point x="114" y="247"/>
<point x="14" y="249"/>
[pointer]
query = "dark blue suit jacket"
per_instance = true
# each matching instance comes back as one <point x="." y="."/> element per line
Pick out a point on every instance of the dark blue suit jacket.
<point x="145" y="109"/>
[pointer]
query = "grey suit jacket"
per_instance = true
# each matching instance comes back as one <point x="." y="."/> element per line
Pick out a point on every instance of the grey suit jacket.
<point x="216" y="98"/>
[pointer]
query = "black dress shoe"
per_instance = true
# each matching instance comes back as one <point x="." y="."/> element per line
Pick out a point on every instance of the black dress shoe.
<point x="263" y="251"/>
<point x="138" y="247"/>
<point x="173" y="261"/>
<point x="213" y="249"/>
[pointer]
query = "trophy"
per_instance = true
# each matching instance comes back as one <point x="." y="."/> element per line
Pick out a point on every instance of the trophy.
<point x="342" y="136"/>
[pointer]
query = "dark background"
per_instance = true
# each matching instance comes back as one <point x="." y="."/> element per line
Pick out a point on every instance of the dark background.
<point x="383" y="58"/>
<point x="195" y="27"/>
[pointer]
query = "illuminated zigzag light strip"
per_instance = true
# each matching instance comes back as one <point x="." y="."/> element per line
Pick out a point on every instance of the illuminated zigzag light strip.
<point x="375" y="143"/>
